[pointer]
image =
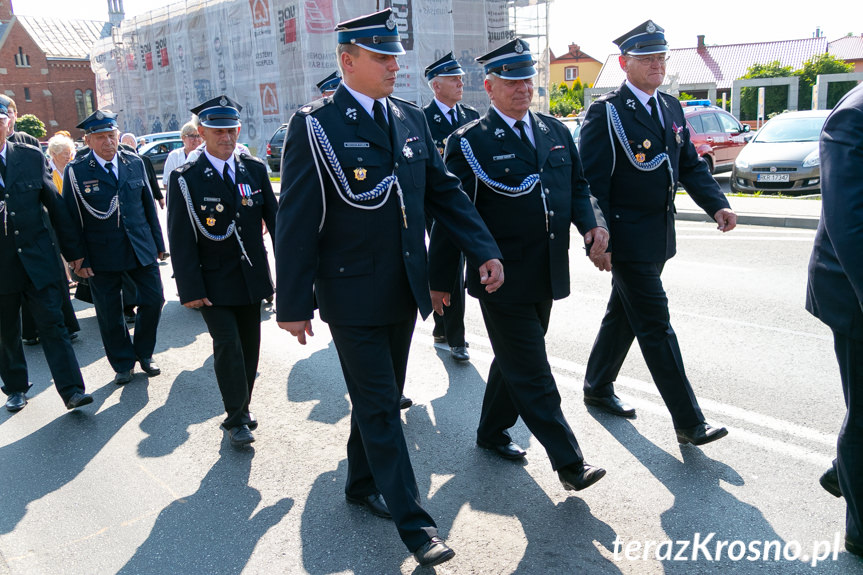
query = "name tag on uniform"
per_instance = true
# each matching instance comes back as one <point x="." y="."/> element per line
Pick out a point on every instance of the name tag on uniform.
<point x="504" y="157"/>
<point x="212" y="199"/>
<point x="356" y="144"/>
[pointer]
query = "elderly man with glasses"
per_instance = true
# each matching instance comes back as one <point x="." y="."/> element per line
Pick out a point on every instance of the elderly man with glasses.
<point x="636" y="148"/>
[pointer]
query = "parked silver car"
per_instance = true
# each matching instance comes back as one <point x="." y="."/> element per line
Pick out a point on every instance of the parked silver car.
<point x="783" y="156"/>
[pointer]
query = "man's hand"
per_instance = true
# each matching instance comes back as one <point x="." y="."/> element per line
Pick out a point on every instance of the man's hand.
<point x="298" y="329"/>
<point x="602" y="262"/>
<point x="439" y="300"/>
<point x="163" y="256"/>
<point x="491" y="275"/>
<point x="597" y="239"/>
<point x="195" y="304"/>
<point x="726" y="220"/>
<point x="81" y="271"/>
<point x="161" y="203"/>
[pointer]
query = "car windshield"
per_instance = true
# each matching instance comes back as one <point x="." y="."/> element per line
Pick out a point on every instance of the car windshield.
<point x="781" y="130"/>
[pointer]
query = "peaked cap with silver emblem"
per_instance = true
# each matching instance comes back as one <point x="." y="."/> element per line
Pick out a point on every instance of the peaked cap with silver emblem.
<point x="375" y="32"/>
<point x="446" y="66"/>
<point x="220" y="112"/>
<point x="646" y="38"/>
<point x="99" y="121"/>
<point x="511" y="61"/>
<point x="329" y="83"/>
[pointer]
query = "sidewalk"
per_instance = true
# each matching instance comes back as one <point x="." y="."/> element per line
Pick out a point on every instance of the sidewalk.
<point x="759" y="211"/>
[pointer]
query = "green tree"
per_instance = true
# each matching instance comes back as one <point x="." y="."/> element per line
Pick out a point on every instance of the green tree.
<point x="32" y="125"/>
<point x="822" y="64"/>
<point x="775" y="97"/>
<point x="565" y="101"/>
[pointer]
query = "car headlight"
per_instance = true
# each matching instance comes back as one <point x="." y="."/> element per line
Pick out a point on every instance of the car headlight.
<point x="740" y="163"/>
<point x="813" y="159"/>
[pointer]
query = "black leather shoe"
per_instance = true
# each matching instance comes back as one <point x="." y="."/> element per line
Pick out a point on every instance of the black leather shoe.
<point x="241" y="435"/>
<point x="16" y="401"/>
<point x="700" y="434"/>
<point x="610" y="404"/>
<point x="374" y="503"/>
<point x="253" y="421"/>
<point x="30" y="340"/>
<point x="459" y="353"/>
<point x="440" y="339"/>
<point x="507" y="451"/>
<point x="852" y="547"/>
<point x="149" y="366"/>
<point x="123" y="377"/>
<point x="576" y="477"/>
<point x="78" y="399"/>
<point x="405" y="402"/>
<point x="830" y="482"/>
<point x="73" y="336"/>
<point x="434" y="552"/>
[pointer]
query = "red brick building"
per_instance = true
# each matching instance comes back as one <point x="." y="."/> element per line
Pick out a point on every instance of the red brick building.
<point x="45" y="65"/>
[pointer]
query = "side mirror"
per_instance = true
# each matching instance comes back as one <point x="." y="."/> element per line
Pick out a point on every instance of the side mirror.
<point x="746" y="127"/>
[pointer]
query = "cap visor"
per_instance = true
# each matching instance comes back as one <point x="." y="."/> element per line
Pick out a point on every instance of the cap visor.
<point x="393" y="48"/>
<point x="518" y="74"/>
<point x="221" y="123"/>
<point x="647" y="50"/>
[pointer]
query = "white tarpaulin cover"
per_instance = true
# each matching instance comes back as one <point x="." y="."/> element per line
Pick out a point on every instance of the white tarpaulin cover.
<point x="268" y="55"/>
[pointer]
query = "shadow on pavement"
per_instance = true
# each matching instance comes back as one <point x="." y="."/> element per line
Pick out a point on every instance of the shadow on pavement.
<point x="54" y="455"/>
<point x="304" y="384"/>
<point x="214" y="530"/>
<point x="194" y="398"/>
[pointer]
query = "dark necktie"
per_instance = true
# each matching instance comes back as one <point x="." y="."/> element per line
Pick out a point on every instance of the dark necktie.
<point x="521" y="129"/>
<point x="654" y="113"/>
<point x="453" y="118"/>
<point x="109" y="169"/>
<point x="380" y="118"/>
<point x="226" y="175"/>
<point x="3" y="171"/>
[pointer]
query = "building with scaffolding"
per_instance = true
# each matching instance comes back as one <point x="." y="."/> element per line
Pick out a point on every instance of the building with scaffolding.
<point x="268" y="55"/>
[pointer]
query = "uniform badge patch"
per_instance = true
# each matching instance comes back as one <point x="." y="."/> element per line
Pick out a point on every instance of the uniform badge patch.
<point x="211" y="221"/>
<point x="640" y="157"/>
<point x="220" y="207"/>
<point x="646" y="144"/>
<point x="407" y="152"/>
<point x="360" y="174"/>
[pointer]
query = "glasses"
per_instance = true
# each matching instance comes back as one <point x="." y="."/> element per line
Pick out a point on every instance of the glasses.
<point x="193" y="136"/>
<point x="655" y="59"/>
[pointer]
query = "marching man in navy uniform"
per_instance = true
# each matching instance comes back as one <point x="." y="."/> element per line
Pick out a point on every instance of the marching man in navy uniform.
<point x="215" y="212"/>
<point x="30" y="272"/>
<point x="635" y="149"/>
<point x="112" y="206"/>
<point x="524" y="175"/>
<point x="360" y="172"/>
<point x="328" y="85"/>
<point x="444" y="115"/>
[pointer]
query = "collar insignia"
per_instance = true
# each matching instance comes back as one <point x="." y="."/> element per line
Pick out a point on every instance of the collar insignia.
<point x="498" y="133"/>
<point x="437" y="118"/>
<point x="92" y="163"/>
<point x="542" y="126"/>
<point x="630" y="103"/>
<point x="208" y="172"/>
<point x="396" y="111"/>
<point x="351" y="113"/>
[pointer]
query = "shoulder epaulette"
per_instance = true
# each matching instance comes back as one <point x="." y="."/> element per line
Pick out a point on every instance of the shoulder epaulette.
<point x="185" y="167"/>
<point x="244" y="156"/>
<point x="313" y="107"/>
<point x="402" y="101"/>
<point x="461" y="131"/>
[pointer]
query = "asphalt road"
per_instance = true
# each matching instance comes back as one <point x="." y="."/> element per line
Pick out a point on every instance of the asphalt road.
<point x="144" y="482"/>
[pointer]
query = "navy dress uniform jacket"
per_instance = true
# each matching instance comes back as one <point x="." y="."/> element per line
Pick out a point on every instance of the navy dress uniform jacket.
<point x="28" y="188"/>
<point x="122" y="242"/>
<point x="368" y="269"/>
<point x="639" y="205"/>
<point x="441" y="127"/>
<point x="536" y="258"/>
<point x="835" y="291"/>
<point x="218" y="270"/>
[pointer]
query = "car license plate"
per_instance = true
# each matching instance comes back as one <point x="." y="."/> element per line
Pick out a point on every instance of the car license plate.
<point x="773" y="177"/>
